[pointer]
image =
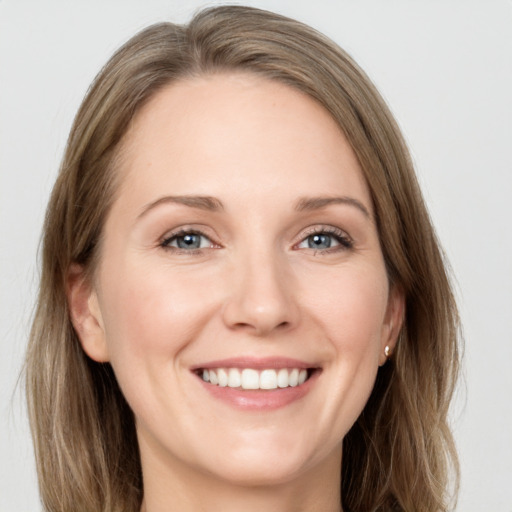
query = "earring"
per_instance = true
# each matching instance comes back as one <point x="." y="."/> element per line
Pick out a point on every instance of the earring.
<point x="387" y="351"/>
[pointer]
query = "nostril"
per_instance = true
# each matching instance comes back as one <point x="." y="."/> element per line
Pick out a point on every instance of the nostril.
<point x="259" y="315"/>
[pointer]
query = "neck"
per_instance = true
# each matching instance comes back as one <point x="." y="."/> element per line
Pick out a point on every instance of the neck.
<point x="180" y="488"/>
<point x="249" y="500"/>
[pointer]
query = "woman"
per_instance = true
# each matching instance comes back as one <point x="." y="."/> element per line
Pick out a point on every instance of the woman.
<point x="242" y="302"/>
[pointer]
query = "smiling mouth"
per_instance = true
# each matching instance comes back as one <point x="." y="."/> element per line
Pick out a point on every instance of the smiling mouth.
<point x="252" y="379"/>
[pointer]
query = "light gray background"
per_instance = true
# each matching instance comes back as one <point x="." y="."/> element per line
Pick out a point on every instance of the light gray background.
<point x="445" y="67"/>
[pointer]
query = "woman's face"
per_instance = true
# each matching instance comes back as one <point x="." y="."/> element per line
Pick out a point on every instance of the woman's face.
<point x="241" y="249"/>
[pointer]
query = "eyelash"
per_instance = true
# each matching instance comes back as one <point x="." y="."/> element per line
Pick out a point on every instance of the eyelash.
<point x="344" y="241"/>
<point x="165" y="243"/>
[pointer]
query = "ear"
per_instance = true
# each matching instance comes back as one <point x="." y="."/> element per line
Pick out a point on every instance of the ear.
<point x="392" y="323"/>
<point x="85" y="314"/>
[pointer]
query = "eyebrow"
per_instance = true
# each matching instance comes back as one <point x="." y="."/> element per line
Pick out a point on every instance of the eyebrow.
<point x="207" y="203"/>
<point x="317" y="203"/>
<point x="212" y="204"/>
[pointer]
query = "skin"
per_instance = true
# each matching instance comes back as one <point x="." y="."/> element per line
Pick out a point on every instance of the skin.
<point x="255" y="288"/>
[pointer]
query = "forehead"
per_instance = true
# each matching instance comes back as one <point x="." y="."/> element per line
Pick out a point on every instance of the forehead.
<point x="240" y="133"/>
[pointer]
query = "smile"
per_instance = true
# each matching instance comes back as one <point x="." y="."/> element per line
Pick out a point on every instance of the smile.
<point x="258" y="384"/>
<point x="252" y="379"/>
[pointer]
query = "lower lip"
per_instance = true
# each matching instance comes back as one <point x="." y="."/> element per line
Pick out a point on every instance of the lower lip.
<point x="257" y="400"/>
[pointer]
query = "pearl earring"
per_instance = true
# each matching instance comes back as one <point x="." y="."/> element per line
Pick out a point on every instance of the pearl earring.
<point x="387" y="351"/>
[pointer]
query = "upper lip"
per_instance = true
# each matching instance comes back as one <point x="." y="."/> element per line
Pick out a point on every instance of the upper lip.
<point x="256" y="363"/>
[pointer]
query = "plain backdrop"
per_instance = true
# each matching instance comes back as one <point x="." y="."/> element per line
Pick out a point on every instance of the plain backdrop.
<point x="445" y="68"/>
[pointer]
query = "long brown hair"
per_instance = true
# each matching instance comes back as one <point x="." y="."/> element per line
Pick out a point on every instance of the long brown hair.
<point x="399" y="453"/>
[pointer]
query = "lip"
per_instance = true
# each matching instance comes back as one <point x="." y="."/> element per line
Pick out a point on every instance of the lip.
<point x="258" y="400"/>
<point x="256" y="363"/>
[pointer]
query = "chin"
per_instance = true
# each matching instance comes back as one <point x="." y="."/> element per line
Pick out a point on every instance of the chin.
<point x="262" y="464"/>
<point x="260" y="473"/>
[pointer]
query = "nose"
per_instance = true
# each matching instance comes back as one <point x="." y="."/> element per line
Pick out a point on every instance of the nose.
<point x="261" y="297"/>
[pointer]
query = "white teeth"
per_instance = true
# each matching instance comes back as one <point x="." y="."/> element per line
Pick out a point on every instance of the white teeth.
<point x="253" y="379"/>
<point x="268" y="379"/>
<point x="223" y="377"/>
<point x="234" y="379"/>
<point x="250" y="379"/>
<point x="213" y="377"/>
<point x="282" y="378"/>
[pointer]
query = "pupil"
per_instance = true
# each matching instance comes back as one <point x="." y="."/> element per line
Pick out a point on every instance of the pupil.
<point x="189" y="241"/>
<point x="319" y="242"/>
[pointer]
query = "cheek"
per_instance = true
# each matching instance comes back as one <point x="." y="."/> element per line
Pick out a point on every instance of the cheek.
<point x="353" y="309"/>
<point x="352" y="318"/>
<point x="151" y="314"/>
<point x="151" y="317"/>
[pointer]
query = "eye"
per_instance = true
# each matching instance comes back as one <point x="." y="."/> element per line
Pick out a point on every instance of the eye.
<point x="325" y="239"/>
<point x="187" y="241"/>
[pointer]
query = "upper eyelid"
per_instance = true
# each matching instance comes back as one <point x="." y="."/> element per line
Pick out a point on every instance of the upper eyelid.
<point x="324" y="228"/>
<point x="180" y="232"/>
<point x="174" y="236"/>
<point x="165" y="241"/>
<point x="188" y="229"/>
<point x="344" y="239"/>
